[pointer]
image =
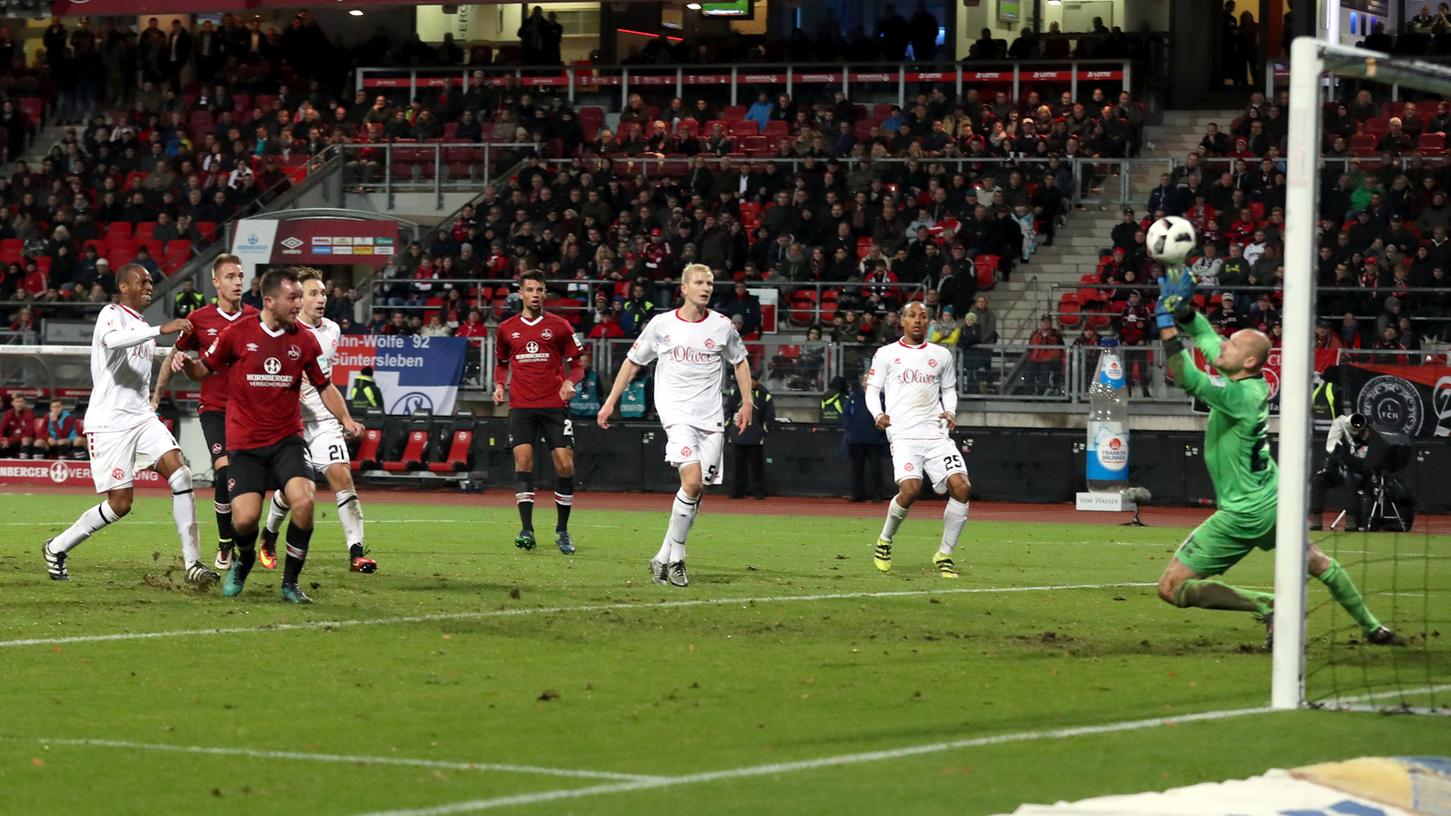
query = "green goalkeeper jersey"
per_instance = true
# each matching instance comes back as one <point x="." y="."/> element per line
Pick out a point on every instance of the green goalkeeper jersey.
<point x="1236" y="443"/>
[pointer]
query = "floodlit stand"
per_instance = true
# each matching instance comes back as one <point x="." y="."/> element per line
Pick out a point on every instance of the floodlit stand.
<point x="1309" y="58"/>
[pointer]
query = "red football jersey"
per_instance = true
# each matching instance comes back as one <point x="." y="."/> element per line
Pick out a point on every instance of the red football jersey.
<point x="265" y="370"/>
<point x="208" y="323"/>
<point x="537" y="352"/>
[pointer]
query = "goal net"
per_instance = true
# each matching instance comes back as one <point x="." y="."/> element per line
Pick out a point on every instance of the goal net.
<point x="1321" y="657"/>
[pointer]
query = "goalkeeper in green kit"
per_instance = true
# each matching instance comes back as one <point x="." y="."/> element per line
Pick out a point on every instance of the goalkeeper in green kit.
<point x="1236" y="450"/>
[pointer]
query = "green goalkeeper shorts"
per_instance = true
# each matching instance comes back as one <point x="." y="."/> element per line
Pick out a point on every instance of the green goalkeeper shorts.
<point x="1226" y="537"/>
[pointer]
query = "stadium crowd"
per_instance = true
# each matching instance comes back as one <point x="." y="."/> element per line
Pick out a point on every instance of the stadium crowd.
<point x="1384" y="229"/>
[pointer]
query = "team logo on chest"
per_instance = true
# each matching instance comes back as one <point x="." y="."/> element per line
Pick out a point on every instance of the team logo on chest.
<point x="272" y="365"/>
<point x="931" y="363"/>
<point x="709" y="343"/>
<point x="546" y="334"/>
<point x="293" y="353"/>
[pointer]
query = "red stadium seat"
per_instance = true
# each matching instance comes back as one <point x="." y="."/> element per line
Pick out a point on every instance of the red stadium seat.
<point x="987" y="269"/>
<point x="1070" y="312"/>
<point x="744" y="127"/>
<point x="460" y="447"/>
<point x="414" y="451"/>
<point x="367" y="457"/>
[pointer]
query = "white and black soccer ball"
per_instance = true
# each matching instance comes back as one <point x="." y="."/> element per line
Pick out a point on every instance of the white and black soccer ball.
<point x="1171" y="239"/>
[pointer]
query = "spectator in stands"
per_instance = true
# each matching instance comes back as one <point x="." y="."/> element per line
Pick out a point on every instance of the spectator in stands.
<point x="17" y="429"/>
<point x="986" y="320"/>
<point x="1043" y="368"/>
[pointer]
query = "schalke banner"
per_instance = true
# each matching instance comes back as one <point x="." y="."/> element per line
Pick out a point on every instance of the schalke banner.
<point x="1414" y="400"/>
<point x="414" y="373"/>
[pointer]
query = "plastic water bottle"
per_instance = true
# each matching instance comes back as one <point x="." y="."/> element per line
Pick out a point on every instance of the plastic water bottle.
<point x="1108" y="429"/>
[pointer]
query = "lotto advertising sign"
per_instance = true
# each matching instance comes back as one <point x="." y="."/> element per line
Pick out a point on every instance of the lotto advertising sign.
<point x="414" y="373"/>
<point x="41" y="473"/>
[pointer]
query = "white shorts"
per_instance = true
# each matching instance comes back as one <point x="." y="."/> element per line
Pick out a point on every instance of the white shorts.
<point x="117" y="455"/>
<point x="932" y="460"/>
<point x="685" y="444"/>
<point x="326" y="444"/>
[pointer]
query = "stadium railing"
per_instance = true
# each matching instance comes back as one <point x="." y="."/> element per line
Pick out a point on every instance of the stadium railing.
<point x="437" y="165"/>
<point x="879" y="81"/>
<point x="798" y="304"/>
<point x="1100" y="182"/>
<point x="1090" y="301"/>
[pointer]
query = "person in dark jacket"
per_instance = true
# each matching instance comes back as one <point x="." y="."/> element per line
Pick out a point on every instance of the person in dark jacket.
<point x="866" y="445"/>
<point x="749" y="444"/>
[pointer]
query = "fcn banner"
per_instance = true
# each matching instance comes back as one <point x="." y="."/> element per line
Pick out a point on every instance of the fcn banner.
<point x="414" y="373"/>
<point x="1415" y="400"/>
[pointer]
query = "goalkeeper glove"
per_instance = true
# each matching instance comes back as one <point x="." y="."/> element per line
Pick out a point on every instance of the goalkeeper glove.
<point x="1176" y="298"/>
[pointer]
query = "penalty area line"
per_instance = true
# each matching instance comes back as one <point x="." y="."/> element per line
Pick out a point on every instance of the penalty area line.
<point x="778" y="768"/>
<point x="348" y="759"/>
<point x="548" y="610"/>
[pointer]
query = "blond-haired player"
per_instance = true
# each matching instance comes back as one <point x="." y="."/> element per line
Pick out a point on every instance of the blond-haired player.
<point x="687" y="345"/>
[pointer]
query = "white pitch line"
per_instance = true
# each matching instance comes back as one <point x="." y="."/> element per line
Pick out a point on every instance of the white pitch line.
<point x="778" y="768"/>
<point x="547" y="610"/>
<point x="352" y="760"/>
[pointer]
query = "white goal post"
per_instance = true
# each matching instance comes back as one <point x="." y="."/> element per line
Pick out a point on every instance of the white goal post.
<point x="1309" y="59"/>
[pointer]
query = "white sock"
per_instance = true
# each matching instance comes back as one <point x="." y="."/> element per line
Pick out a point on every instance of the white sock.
<point x="952" y="520"/>
<point x="183" y="512"/>
<point x="682" y="516"/>
<point x="276" y="510"/>
<point x="663" y="554"/>
<point x="350" y="513"/>
<point x="896" y="514"/>
<point x="86" y="526"/>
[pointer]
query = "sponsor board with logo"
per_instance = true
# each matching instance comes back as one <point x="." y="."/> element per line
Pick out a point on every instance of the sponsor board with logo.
<point x="316" y="240"/>
<point x="43" y="473"/>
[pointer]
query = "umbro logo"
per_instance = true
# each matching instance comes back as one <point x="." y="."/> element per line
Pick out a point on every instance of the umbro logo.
<point x="292" y="243"/>
<point x="513" y="335"/>
<point x="211" y="331"/>
<point x="251" y="346"/>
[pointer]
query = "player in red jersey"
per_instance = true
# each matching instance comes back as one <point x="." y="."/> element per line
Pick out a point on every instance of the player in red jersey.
<point x="266" y="360"/>
<point x="543" y="354"/>
<point x="17" y="429"/>
<point x="208" y="323"/>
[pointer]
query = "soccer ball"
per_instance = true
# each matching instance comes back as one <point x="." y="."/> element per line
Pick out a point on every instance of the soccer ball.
<point x="1171" y="239"/>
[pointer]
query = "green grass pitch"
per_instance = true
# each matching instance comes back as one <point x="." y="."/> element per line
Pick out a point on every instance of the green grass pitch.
<point x="535" y="683"/>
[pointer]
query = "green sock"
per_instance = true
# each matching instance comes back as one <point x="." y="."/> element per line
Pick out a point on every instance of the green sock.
<point x="1207" y="593"/>
<point x="1343" y="590"/>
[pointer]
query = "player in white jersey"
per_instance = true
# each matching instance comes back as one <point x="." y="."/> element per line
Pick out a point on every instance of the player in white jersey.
<point x="121" y="428"/>
<point x="919" y="381"/>
<point x="688" y="345"/>
<point x="327" y="445"/>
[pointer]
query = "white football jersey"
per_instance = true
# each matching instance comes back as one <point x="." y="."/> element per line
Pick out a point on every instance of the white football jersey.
<point x="918" y="383"/>
<point x="120" y="378"/>
<point x="327" y="333"/>
<point x="688" y="375"/>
